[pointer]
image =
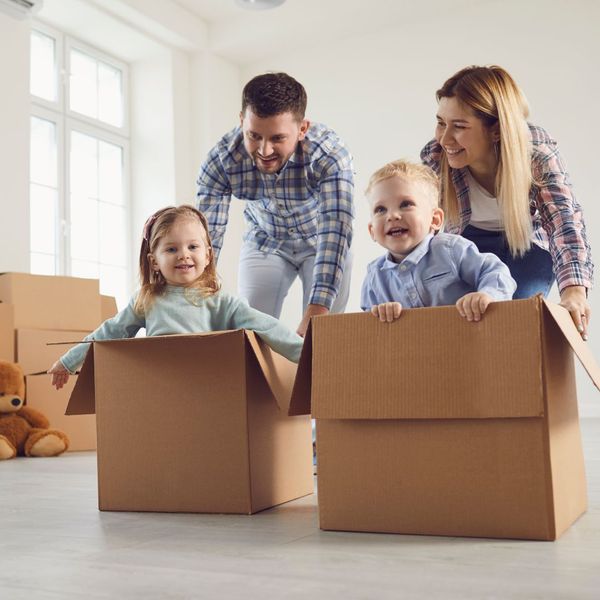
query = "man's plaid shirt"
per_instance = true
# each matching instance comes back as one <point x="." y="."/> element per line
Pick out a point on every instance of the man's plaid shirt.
<point x="557" y="218"/>
<point x="311" y="198"/>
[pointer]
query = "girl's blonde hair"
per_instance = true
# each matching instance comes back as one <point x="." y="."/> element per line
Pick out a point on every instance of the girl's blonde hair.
<point x="410" y="172"/>
<point x="152" y="283"/>
<point x="494" y="97"/>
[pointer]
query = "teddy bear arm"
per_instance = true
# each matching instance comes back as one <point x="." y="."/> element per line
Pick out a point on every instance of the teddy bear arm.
<point x="34" y="417"/>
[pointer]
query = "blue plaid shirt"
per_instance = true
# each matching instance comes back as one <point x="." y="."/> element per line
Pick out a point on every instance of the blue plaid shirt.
<point x="311" y="198"/>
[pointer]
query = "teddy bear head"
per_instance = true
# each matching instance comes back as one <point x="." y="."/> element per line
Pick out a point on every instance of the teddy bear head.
<point x="12" y="387"/>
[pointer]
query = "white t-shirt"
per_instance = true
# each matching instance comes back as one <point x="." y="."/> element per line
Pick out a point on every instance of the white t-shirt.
<point x="485" y="211"/>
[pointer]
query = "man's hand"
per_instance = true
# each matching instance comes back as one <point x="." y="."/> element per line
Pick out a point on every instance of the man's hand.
<point x="312" y="310"/>
<point x="60" y="375"/>
<point x="387" y="311"/>
<point x="574" y="299"/>
<point x="472" y="306"/>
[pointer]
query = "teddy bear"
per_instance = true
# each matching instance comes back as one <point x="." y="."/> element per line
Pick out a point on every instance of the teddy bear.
<point x="24" y="430"/>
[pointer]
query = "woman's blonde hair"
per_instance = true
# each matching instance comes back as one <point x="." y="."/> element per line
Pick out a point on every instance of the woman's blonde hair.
<point x="152" y="283"/>
<point x="410" y="172"/>
<point x="495" y="98"/>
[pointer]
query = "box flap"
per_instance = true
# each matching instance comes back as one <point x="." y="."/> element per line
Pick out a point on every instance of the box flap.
<point x="301" y="394"/>
<point x="278" y="372"/>
<point x="83" y="397"/>
<point x="565" y="323"/>
<point x="429" y="364"/>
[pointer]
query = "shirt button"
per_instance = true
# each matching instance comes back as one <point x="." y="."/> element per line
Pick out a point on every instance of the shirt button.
<point x="292" y="230"/>
<point x="403" y="267"/>
<point x="281" y="205"/>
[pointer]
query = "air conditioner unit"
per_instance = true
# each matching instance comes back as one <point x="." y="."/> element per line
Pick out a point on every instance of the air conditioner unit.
<point x="20" y="9"/>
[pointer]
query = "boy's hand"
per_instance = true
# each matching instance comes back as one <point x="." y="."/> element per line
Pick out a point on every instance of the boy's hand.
<point x="60" y="375"/>
<point x="472" y="306"/>
<point x="387" y="312"/>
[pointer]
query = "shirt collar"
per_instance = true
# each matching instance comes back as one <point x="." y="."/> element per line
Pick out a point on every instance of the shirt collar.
<point x="413" y="258"/>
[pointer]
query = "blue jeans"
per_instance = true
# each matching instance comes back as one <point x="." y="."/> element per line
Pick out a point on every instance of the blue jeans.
<point x="533" y="271"/>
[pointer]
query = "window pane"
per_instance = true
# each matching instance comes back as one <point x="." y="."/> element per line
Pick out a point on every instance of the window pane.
<point x="43" y="264"/>
<point x="43" y="152"/>
<point x="84" y="165"/>
<point x="112" y="235"/>
<point x="44" y="219"/>
<point x="43" y="66"/>
<point x="84" y="229"/>
<point x="113" y="282"/>
<point x="82" y="268"/>
<point x="110" y="173"/>
<point x="110" y="95"/>
<point x="83" y="84"/>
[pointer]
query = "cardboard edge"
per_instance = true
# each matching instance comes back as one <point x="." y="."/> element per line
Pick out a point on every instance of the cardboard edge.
<point x="300" y="403"/>
<point x="83" y="396"/>
<point x="563" y="319"/>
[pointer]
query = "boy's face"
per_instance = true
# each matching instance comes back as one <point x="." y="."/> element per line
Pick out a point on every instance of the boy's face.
<point x="402" y="214"/>
<point x="270" y="141"/>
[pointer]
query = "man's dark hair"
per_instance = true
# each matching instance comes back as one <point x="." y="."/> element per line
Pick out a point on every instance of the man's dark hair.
<point x="273" y="94"/>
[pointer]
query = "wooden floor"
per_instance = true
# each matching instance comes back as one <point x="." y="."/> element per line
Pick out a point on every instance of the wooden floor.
<point x="55" y="544"/>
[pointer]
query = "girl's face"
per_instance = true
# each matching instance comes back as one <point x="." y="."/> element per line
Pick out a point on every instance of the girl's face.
<point x="464" y="137"/>
<point x="182" y="253"/>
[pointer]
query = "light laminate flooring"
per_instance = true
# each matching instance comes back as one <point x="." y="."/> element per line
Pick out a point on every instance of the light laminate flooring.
<point x="55" y="544"/>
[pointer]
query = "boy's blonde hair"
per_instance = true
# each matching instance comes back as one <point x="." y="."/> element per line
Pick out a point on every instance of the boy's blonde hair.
<point x="152" y="283"/>
<point x="409" y="171"/>
<point x="496" y="99"/>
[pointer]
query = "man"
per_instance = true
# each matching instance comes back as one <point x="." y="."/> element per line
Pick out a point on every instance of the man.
<point x="298" y="180"/>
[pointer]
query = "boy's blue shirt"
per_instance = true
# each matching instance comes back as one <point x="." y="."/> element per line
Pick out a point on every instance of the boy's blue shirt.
<point x="439" y="271"/>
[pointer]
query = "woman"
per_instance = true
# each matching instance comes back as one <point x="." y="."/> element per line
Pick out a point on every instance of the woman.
<point x="505" y="187"/>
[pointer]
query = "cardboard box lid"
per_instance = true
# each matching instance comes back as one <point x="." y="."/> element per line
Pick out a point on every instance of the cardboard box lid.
<point x="275" y="373"/>
<point x="430" y="364"/>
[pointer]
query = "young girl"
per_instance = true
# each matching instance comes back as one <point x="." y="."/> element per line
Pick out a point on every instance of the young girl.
<point x="505" y="187"/>
<point x="180" y="293"/>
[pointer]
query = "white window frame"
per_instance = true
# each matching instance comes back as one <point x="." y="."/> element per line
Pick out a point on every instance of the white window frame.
<point x="67" y="121"/>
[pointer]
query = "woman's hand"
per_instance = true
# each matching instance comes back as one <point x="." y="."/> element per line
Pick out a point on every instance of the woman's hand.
<point x="387" y="312"/>
<point x="574" y="299"/>
<point x="60" y="375"/>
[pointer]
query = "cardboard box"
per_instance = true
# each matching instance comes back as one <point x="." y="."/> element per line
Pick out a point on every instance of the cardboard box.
<point x="51" y="302"/>
<point x="7" y="335"/>
<point x="194" y="423"/>
<point x="40" y="395"/>
<point x="434" y="425"/>
<point x="108" y="307"/>
<point x="34" y="354"/>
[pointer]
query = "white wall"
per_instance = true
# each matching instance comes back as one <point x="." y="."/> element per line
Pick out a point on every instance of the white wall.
<point x="14" y="145"/>
<point x="377" y="91"/>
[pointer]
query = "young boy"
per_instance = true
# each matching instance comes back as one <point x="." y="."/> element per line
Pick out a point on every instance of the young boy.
<point x="424" y="267"/>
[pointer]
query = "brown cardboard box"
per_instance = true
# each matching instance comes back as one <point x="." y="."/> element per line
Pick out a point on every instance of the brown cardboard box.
<point x="108" y="307"/>
<point x="434" y="425"/>
<point x="194" y="423"/>
<point x="51" y="302"/>
<point x="7" y="335"/>
<point x="34" y="354"/>
<point x="40" y="395"/>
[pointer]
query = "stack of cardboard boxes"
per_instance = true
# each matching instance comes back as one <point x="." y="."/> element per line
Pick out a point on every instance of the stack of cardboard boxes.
<point x="37" y="310"/>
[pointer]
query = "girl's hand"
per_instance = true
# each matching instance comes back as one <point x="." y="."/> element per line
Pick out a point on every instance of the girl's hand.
<point x="574" y="299"/>
<point x="387" y="312"/>
<point x="472" y="306"/>
<point x="60" y="375"/>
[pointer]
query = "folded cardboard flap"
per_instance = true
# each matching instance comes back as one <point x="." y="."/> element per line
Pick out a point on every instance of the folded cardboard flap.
<point x="365" y="369"/>
<point x="278" y="381"/>
<point x="581" y="349"/>
<point x="301" y="393"/>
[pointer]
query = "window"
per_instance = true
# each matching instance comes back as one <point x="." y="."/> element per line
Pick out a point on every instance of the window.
<point x="79" y="155"/>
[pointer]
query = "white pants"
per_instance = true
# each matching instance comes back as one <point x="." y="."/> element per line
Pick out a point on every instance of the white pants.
<point x="265" y="278"/>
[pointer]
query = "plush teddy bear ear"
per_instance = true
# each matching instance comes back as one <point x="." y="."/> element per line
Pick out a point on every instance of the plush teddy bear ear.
<point x="12" y="379"/>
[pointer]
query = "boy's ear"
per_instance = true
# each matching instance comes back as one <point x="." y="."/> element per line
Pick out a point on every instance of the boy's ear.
<point x="304" y="127"/>
<point x="437" y="219"/>
<point x="370" y="227"/>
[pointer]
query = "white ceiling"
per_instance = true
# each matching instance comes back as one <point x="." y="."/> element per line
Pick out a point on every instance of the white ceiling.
<point x="244" y="36"/>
